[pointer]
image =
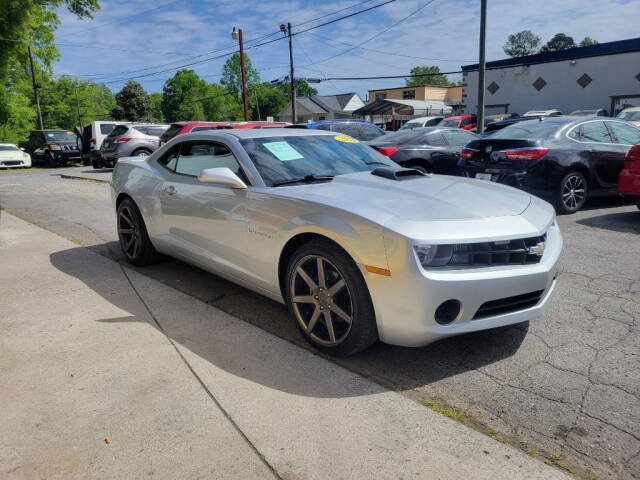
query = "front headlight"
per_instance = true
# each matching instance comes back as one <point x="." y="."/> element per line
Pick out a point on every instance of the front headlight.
<point x="433" y="255"/>
<point x="54" y="146"/>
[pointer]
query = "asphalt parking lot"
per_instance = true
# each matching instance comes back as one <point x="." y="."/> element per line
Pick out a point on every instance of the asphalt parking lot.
<point x="565" y="388"/>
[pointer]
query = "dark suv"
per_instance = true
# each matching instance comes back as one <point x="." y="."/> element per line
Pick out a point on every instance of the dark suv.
<point x="55" y="147"/>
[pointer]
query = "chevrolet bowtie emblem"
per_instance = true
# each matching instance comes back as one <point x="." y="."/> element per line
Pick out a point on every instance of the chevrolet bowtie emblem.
<point x="537" y="249"/>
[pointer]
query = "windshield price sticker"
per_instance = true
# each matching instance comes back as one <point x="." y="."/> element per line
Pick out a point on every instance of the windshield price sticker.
<point x="346" y="138"/>
<point x="283" y="151"/>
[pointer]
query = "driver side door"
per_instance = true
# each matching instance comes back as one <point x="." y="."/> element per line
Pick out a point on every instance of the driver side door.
<point x="204" y="223"/>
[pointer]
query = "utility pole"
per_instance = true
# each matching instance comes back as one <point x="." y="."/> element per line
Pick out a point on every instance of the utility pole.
<point x="35" y="88"/>
<point x="237" y="34"/>
<point x="481" y="67"/>
<point x="287" y="31"/>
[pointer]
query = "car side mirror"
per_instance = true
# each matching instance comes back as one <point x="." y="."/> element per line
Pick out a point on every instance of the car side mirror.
<point x="221" y="176"/>
<point x="22" y="148"/>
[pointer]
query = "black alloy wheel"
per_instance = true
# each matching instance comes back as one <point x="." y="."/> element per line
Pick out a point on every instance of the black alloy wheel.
<point x="132" y="233"/>
<point x="329" y="299"/>
<point x="572" y="193"/>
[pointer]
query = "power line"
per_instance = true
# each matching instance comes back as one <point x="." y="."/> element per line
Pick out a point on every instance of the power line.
<point x="333" y="13"/>
<point x="344" y="17"/>
<point x="424" y="5"/>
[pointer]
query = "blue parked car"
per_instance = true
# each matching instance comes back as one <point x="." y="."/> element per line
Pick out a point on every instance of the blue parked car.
<point x="358" y="129"/>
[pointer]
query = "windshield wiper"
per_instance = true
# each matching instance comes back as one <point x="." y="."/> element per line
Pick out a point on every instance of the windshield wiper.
<point x="305" y="179"/>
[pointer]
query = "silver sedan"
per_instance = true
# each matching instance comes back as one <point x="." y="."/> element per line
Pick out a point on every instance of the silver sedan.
<point x="359" y="249"/>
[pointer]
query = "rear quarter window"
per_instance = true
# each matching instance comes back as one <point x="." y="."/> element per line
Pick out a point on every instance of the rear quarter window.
<point x="106" y="128"/>
<point x="119" y="130"/>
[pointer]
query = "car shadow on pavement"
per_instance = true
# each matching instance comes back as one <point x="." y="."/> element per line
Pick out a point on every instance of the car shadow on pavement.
<point x="392" y="367"/>
<point x="628" y="222"/>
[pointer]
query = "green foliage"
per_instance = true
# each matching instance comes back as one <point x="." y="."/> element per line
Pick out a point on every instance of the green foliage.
<point x="20" y="117"/>
<point x="132" y="103"/>
<point x="155" y="114"/>
<point x="232" y="75"/>
<point x="303" y="89"/>
<point x="521" y="44"/>
<point x="267" y="100"/>
<point x="432" y="76"/>
<point x="587" y="41"/>
<point x="186" y="96"/>
<point x="560" y="41"/>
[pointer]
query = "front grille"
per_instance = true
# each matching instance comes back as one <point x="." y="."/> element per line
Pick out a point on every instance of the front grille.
<point x="9" y="163"/>
<point x="508" y="305"/>
<point x="522" y="251"/>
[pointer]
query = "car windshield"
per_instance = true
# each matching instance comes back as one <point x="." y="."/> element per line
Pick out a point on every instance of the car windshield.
<point x="60" y="136"/>
<point x="8" y="148"/>
<point x="411" y="124"/>
<point x="279" y="159"/>
<point x="629" y="116"/>
<point x="529" y="129"/>
<point x="449" y="123"/>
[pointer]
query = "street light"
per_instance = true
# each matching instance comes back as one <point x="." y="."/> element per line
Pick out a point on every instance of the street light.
<point x="236" y="34"/>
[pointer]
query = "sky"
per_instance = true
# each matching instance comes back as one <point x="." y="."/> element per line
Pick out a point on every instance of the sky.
<point x="138" y="38"/>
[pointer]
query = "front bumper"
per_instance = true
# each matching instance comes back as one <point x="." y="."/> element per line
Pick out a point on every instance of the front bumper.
<point x="405" y="303"/>
<point x="629" y="183"/>
<point x="66" y="155"/>
<point x="15" y="163"/>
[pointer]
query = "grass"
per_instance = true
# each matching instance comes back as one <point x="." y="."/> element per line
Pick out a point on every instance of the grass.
<point x="452" y="413"/>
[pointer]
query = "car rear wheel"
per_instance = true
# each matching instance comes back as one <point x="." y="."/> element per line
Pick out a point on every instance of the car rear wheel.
<point x="141" y="152"/>
<point x="571" y="193"/>
<point x="109" y="163"/>
<point x="329" y="299"/>
<point x="133" y="236"/>
<point x="423" y="167"/>
<point x="51" y="160"/>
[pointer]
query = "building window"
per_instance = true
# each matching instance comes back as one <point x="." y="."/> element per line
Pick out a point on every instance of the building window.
<point x="408" y="94"/>
<point x="381" y="96"/>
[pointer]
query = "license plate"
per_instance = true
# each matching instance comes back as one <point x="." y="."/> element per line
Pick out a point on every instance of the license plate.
<point x="483" y="176"/>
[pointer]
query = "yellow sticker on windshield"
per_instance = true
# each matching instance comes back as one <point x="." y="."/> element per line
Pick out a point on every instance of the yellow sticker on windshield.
<point x="69" y="133"/>
<point x="346" y="138"/>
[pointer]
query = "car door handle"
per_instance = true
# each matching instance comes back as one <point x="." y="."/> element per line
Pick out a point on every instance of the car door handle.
<point x="169" y="190"/>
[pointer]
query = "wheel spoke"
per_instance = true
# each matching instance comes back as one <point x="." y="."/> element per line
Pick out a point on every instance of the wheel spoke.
<point x="341" y="313"/>
<point x="313" y="320"/>
<point x="126" y="231"/>
<point x="329" y="324"/>
<point x="308" y="280"/>
<point x="336" y="287"/>
<point x="321" y="280"/>
<point x="130" y="243"/>
<point x="303" y="299"/>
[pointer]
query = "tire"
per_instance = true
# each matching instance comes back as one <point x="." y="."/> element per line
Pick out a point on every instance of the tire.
<point x="109" y="163"/>
<point x="133" y="236"/>
<point x="315" y="302"/>
<point x="571" y="193"/>
<point x="96" y="163"/>
<point x="141" y="152"/>
<point x="423" y="167"/>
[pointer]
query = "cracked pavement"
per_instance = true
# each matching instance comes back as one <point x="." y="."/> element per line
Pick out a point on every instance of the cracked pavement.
<point x="566" y="385"/>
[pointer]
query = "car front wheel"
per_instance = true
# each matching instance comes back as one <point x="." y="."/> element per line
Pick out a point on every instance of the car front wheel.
<point x="329" y="299"/>
<point x="133" y="236"/>
<point x="571" y="193"/>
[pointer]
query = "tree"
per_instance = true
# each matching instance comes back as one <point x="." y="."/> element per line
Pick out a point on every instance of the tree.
<point x="560" y="41"/>
<point x="423" y="75"/>
<point x="155" y="113"/>
<point x="266" y="100"/>
<point x="521" y="44"/>
<point x="303" y="89"/>
<point x="232" y="74"/>
<point x="132" y="102"/>
<point x="587" y="41"/>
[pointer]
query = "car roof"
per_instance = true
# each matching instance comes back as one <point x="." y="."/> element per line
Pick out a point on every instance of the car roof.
<point x="7" y="144"/>
<point x="262" y="132"/>
<point x="632" y="109"/>
<point x="332" y="122"/>
<point x="459" y="117"/>
<point x="424" y="118"/>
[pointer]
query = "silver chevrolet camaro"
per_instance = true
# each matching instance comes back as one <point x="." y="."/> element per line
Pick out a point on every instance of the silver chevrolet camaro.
<point x="358" y="248"/>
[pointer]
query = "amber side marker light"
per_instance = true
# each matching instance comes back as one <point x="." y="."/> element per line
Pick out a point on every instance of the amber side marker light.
<point x="378" y="270"/>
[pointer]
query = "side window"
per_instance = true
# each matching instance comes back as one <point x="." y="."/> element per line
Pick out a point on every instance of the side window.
<point x="351" y="129"/>
<point x="156" y="131"/>
<point x="326" y="126"/>
<point x="199" y="129"/>
<point x="105" y="128"/>
<point x="575" y="134"/>
<point x="625" y="134"/>
<point x="170" y="158"/>
<point x="595" y="132"/>
<point x="468" y="121"/>
<point x="144" y="130"/>
<point x="369" y="132"/>
<point x="458" y="138"/>
<point x="195" y="157"/>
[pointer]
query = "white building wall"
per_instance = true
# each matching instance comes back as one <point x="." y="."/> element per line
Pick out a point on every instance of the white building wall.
<point x="354" y="104"/>
<point x="612" y="75"/>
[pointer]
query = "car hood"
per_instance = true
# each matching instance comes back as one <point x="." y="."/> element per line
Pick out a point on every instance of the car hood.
<point x="10" y="154"/>
<point x="429" y="198"/>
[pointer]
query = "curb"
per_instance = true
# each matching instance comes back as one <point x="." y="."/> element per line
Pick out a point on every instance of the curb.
<point x="76" y="177"/>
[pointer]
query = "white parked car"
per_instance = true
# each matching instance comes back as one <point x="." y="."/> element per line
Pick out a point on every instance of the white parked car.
<point x="13" y="157"/>
<point x="93" y="134"/>
<point x="359" y="248"/>
<point x="421" y="122"/>
<point x="631" y="115"/>
<point x="542" y="113"/>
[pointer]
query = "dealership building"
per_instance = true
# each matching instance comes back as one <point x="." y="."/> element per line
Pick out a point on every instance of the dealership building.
<point x="606" y="75"/>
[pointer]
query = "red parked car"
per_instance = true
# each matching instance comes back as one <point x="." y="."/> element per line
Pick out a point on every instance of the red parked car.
<point x="180" y="128"/>
<point x="629" y="179"/>
<point x="466" y="122"/>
